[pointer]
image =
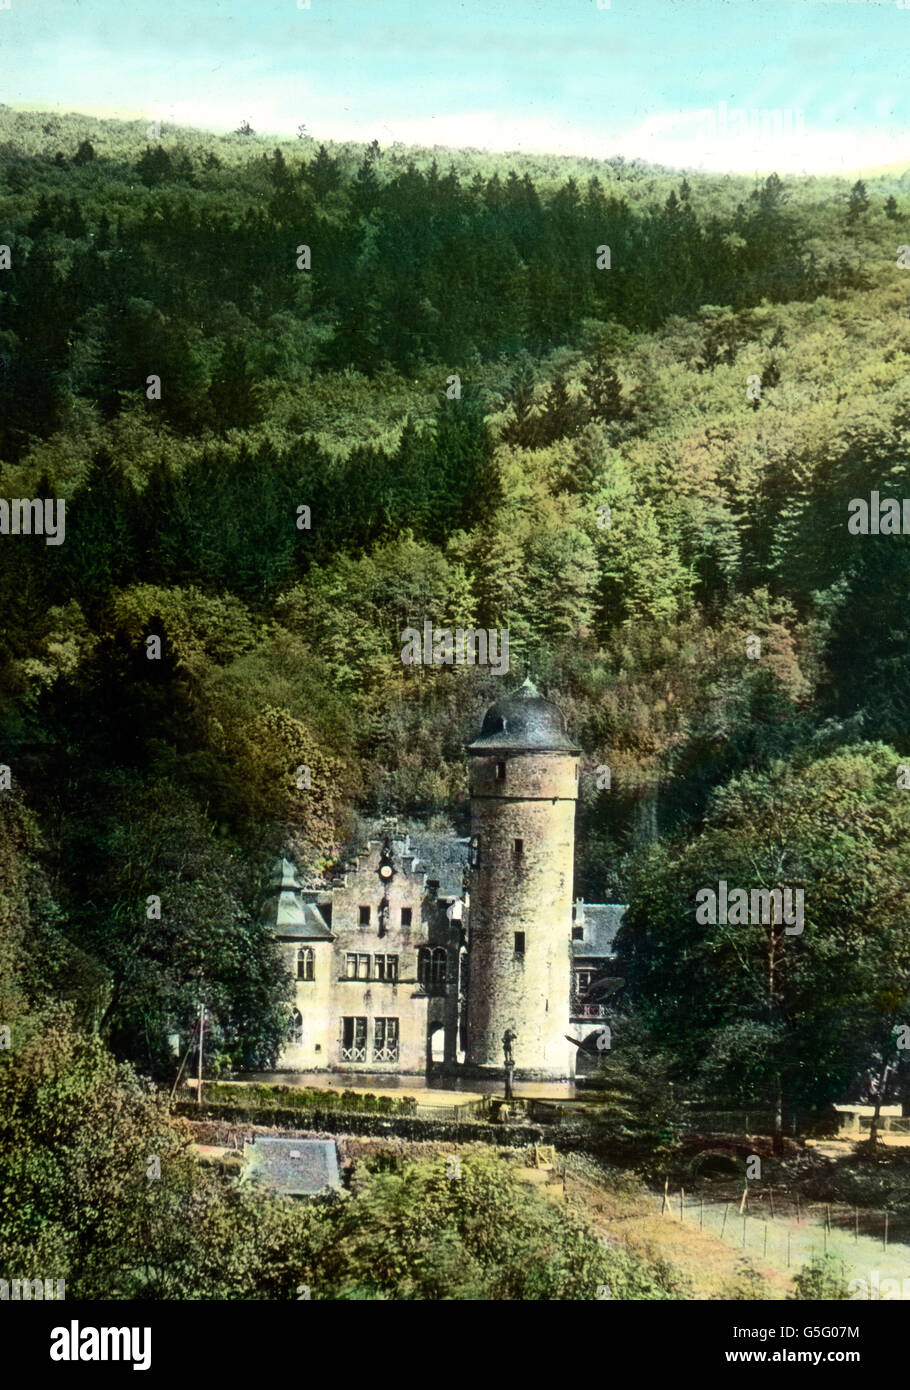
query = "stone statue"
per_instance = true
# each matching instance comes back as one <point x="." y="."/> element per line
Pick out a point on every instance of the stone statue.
<point x="508" y="1038"/>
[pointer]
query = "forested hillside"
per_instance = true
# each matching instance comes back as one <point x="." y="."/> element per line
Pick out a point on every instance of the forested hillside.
<point x="490" y="426"/>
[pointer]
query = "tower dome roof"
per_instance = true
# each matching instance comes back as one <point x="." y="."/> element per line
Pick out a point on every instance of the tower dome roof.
<point x="524" y="720"/>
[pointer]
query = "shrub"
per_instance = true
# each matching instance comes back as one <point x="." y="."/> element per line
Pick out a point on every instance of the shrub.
<point x="820" y="1278"/>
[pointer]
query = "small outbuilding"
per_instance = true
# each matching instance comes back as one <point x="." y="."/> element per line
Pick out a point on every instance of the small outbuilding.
<point x="295" y="1167"/>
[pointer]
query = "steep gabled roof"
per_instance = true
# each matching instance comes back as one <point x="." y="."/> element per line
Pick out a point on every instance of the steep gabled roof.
<point x="286" y="912"/>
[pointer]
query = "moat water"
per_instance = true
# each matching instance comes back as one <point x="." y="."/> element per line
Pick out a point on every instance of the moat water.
<point x="412" y="1085"/>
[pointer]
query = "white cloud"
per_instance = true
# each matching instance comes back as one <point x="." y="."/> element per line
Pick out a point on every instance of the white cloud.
<point x="743" y="141"/>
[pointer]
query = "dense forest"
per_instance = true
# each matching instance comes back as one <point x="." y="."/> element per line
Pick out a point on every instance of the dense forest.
<point x="300" y="396"/>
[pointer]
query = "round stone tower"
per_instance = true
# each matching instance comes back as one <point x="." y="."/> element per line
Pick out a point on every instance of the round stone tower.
<point x="524" y="785"/>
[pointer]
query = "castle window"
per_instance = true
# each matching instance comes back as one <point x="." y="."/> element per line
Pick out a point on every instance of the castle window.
<point x="304" y="962"/>
<point x="364" y="916"/>
<point x="385" y="1040"/>
<point x="519" y="943"/>
<point x="295" y="1031"/>
<point x="357" y="967"/>
<point x="500" y="772"/>
<point x="578" y="933"/>
<point x="474" y="856"/>
<point x="518" y="847"/>
<point x="353" y="1040"/>
<point x="406" y="914"/>
<point x="386" y="967"/>
<point x="431" y="969"/>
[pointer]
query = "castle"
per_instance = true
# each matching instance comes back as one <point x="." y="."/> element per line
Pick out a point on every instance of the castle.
<point x="428" y="949"/>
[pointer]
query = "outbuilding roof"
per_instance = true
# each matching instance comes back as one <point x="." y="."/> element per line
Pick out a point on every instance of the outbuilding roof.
<point x="599" y="923"/>
<point x="296" y="1167"/>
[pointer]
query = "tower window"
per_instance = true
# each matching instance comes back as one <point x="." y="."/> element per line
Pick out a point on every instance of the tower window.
<point x="305" y="963"/>
<point x="406" y="914"/>
<point x="364" y="916"/>
<point x="474" y="857"/>
<point x="500" y="772"/>
<point x="518" y="847"/>
<point x="519" y="943"/>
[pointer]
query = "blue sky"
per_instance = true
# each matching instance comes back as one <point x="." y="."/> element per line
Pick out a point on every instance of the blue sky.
<point x="670" y="80"/>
